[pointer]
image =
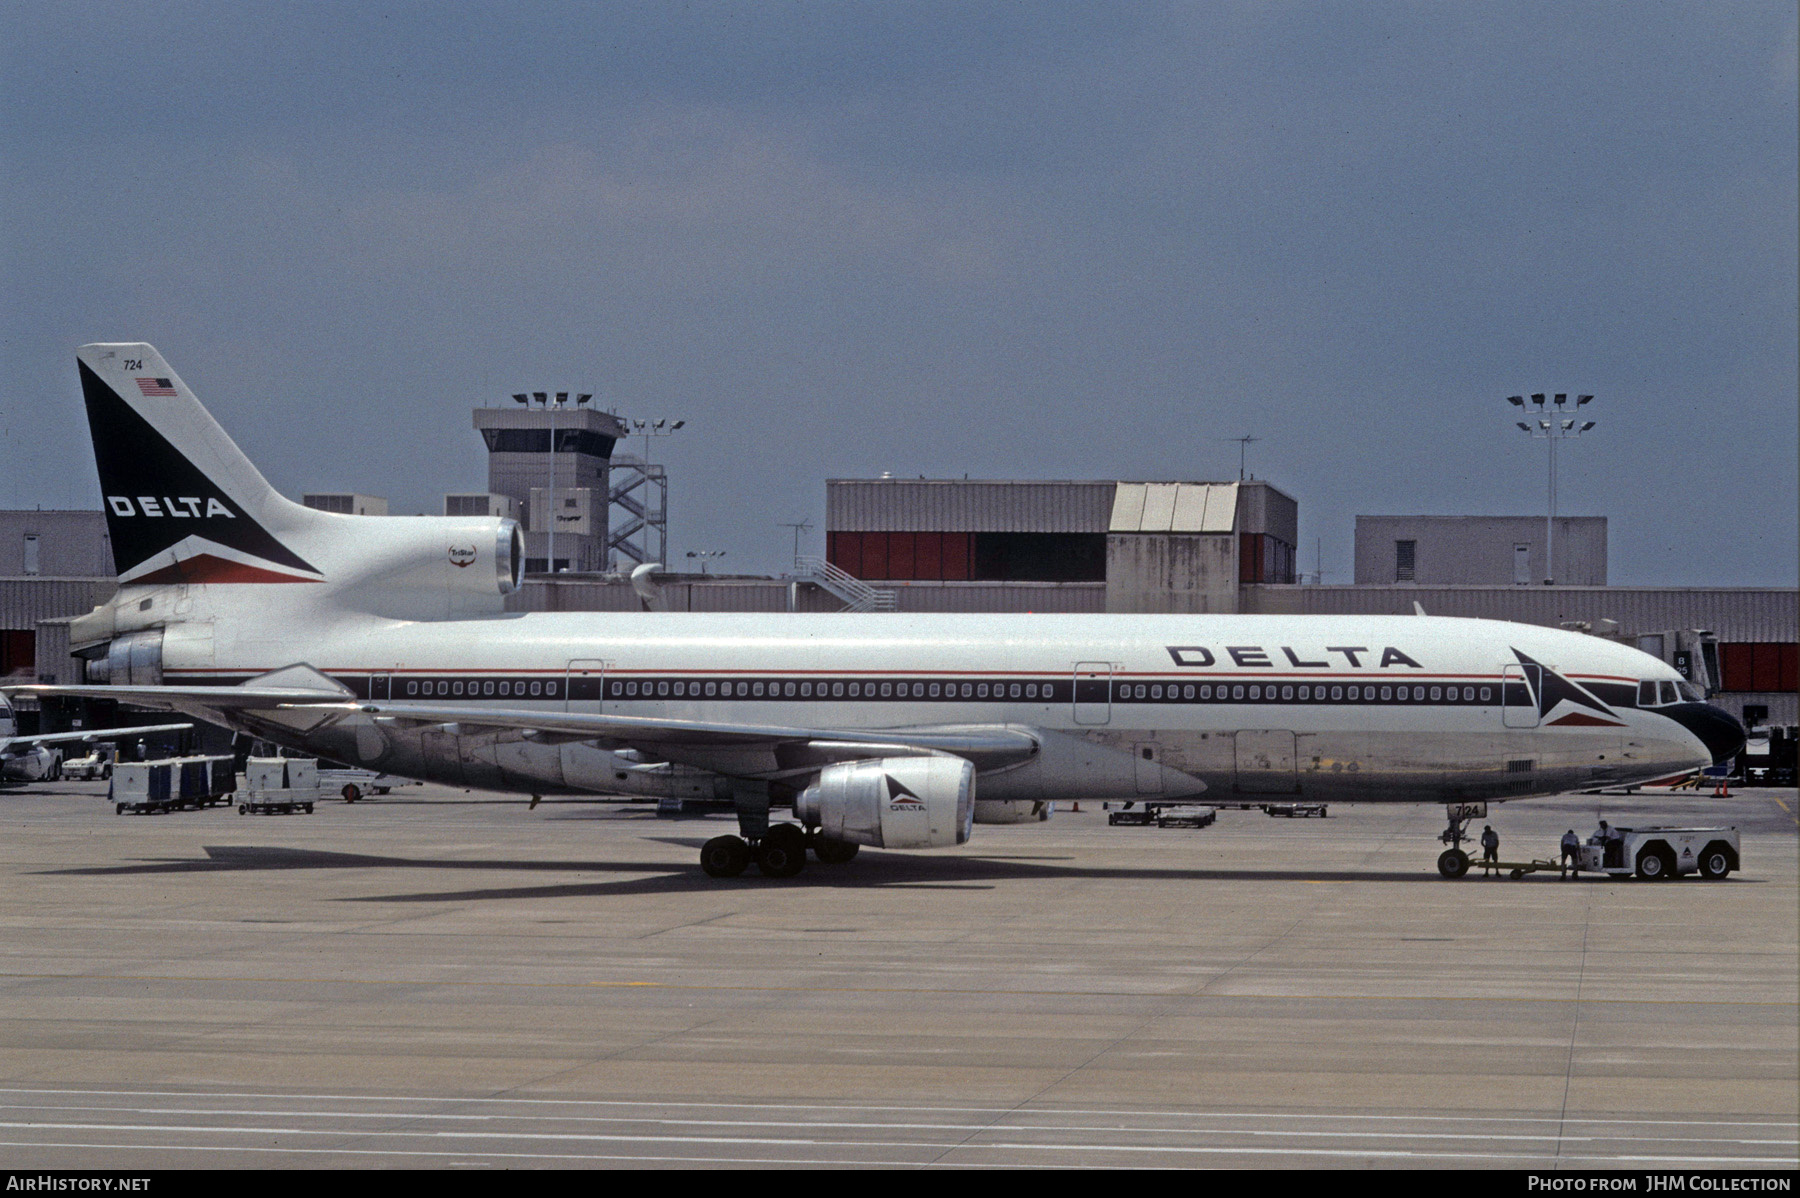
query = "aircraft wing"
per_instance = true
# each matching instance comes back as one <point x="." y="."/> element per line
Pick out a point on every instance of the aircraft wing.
<point x="90" y="736"/>
<point x="988" y="746"/>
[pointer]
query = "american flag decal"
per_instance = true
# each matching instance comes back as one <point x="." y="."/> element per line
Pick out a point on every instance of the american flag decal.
<point x="156" y="386"/>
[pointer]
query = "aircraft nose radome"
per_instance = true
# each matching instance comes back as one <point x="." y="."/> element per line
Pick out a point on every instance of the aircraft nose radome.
<point x="1717" y="728"/>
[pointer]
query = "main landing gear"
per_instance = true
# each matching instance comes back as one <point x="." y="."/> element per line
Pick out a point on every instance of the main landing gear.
<point x="779" y="850"/>
<point x="779" y="853"/>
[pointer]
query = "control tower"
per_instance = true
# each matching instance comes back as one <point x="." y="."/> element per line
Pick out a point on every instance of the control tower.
<point x="552" y="456"/>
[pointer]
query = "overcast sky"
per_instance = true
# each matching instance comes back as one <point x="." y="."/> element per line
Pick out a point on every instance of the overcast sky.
<point x="1009" y="240"/>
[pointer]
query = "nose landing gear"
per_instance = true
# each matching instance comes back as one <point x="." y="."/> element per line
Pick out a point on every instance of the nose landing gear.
<point x="1453" y="862"/>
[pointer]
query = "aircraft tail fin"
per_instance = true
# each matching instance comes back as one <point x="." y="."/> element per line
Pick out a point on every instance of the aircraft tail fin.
<point x="183" y="503"/>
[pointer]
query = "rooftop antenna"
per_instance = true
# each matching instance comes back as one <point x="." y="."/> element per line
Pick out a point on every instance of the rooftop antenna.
<point x="1243" y="447"/>
<point x="798" y="527"/>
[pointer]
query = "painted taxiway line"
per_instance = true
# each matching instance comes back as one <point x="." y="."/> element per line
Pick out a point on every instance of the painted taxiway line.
<point x="1210" y="1151"/>
<point x="826" y="1125"/>
<point x="992" y="1112"/>
<point x="1156" y="995"/>
<point x="823" y="1142"/>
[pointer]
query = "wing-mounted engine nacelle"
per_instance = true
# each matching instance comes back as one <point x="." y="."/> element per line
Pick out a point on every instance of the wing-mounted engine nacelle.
<point x="893" y="802"/>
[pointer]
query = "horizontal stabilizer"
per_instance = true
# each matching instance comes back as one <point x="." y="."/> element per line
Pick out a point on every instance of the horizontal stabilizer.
<point x="298" y="683"/>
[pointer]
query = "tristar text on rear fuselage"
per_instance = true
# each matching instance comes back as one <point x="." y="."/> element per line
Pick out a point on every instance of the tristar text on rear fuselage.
<point x="384" y="642"/>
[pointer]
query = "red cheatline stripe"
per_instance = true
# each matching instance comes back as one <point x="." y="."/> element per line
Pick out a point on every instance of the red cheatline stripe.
<point x="205" y="567"/>
<point x="672" y="671"/>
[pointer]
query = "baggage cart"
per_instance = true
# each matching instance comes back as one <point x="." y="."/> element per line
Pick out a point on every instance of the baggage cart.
<point x="1186" y="816"/>
<point x="1293" y="810"/>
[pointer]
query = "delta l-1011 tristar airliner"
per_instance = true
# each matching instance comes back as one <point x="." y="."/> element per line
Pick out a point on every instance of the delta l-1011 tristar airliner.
<point x="383" y="641"/>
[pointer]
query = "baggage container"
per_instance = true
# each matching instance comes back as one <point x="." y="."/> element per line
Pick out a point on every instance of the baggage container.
<point x="142" y="787"/>
<point x="279" y="786"/>
<point x="204" y="781"/>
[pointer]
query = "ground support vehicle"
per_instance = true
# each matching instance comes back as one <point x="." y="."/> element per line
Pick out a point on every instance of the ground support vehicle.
<point x="355" y="784"/>
<point x="95" y="767"/>
<point x="1290" y="810"/>
<point x="1135" y="813"/>
<point x="279" y="786"/>
<point x="1142" y="813"/>
<point x="1183" y="815"/>
<point x="1767" y="758"/>
<point x="1657" y="853"/>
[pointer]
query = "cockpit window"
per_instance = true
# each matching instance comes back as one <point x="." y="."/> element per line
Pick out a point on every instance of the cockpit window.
<point x="1657" y="694"/>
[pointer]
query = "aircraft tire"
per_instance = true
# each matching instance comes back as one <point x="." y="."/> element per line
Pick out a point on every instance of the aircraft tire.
<point x="833" y="852"/>
<point x="782" y="853"/>
<point x="1453" y="863"/>
<point x="724" y="856"/>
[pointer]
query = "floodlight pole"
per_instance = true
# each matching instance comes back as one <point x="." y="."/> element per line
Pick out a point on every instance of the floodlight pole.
<point x="550" y="503"/>
<point x="648" y="429"/>
<point x="1552" y="426"/>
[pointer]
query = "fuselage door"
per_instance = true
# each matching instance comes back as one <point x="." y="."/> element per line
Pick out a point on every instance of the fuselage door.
<point x="1093" y="692"/>
<point x="1148" y="764"/>
<point x="1265" y="762"/>
<point x="584" y="684"/>
<point x="1519" y="695"/>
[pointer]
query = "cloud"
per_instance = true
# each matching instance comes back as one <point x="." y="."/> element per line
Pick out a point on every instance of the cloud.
<point x="1075" y="241"/>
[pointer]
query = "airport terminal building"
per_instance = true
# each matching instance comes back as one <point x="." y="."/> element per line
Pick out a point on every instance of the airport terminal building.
<point x="1027" y="546"/>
